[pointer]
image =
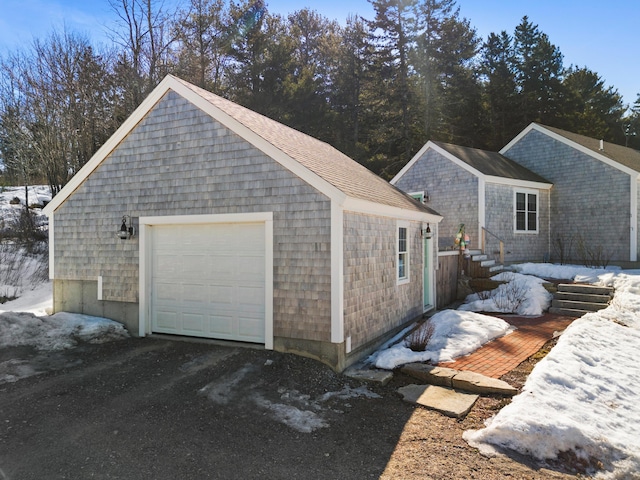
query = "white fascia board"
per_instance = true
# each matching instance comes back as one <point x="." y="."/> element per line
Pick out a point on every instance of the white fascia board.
<point x="207" y="219"/>
<point x="517" y="138"/>
<point x="337" y="273"/>
<point x="356" y="205"/>
<point x="512" y="182"/>
<point x="572" y="144"/>
<point x="110" y="145"/>
<point x="411" y="162"/>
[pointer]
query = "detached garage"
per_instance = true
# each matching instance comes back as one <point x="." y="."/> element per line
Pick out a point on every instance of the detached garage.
<point x="202" y="218"/>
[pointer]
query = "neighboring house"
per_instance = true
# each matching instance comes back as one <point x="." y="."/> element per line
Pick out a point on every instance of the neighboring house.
<point x="594" y="200"/>
<point x="482" y="190"/>
<point x="243" y="229"/>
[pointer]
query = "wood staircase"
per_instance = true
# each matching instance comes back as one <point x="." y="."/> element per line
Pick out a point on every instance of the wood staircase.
<point x="575" y="299"/>
<point x="480" y="266"/>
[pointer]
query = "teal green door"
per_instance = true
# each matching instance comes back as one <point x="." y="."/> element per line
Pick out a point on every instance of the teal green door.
<point x="426" y="274"/>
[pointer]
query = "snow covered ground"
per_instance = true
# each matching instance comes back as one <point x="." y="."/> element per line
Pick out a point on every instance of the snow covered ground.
<point x="583" y="396"/>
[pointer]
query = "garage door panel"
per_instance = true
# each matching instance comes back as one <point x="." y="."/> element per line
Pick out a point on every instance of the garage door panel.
<point x="221" y="325"/>
<point x="194" y="293"/>
<point x="251" y="296"/>
<point x="166" y="292"/>
<point x="209" y="281"/>
<point x="193" y="323"/>
<point x="167" y="319"/>
<point x="250" y="328"/>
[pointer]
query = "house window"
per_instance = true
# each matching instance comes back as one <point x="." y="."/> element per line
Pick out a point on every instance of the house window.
<point x="526" y="211"/>
<point x="403" y="253"/>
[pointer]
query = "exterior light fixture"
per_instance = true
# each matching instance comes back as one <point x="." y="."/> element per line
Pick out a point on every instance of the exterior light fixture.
<point x="126" y="230"/>
<point x="426" y="232"/>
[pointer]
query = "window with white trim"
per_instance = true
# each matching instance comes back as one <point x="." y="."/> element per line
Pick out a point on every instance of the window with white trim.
<point x="403" y="252"/>
<point x="526" y="211"/>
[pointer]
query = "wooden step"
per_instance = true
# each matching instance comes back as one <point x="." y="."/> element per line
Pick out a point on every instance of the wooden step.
<point x="588" y="289"/>
<point x="582" y="297"/>
<point x="583" y="306"/>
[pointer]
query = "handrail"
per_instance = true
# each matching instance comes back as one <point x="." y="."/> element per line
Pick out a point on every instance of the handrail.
<point x="484" y="232"/>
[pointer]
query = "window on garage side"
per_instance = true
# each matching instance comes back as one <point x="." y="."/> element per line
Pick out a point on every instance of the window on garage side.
<point x="526" y="211"/>
<point x="403" y="253"/>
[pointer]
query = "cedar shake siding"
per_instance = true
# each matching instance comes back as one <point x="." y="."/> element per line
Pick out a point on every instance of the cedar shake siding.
<point x="519" y="247"/>
<point x="453" y="193"/>
<point x="590" y="199"/>
<point x="177" y="160"/>
<point x="374" y="303"/>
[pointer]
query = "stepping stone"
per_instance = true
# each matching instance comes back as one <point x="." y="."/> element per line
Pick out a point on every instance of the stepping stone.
<point x="431" y="374"/>
<point x="477" y="383"/>
<point x="444" y="400"/>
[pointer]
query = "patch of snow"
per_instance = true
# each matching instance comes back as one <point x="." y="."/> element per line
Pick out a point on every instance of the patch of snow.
<point x="455" y="334"/>
<point x="522" y="295"/>
<point x="37" y="299"/>
<point x="56" y="332"/>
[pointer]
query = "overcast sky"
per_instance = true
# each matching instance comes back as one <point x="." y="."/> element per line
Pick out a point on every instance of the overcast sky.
<point x="603" y="36"/>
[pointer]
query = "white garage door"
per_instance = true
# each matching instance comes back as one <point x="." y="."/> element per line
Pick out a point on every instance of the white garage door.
<point x="209" y="281"/>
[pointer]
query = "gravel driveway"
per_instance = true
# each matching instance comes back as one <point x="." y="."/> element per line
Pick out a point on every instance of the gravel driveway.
<point x="160" y="409"/>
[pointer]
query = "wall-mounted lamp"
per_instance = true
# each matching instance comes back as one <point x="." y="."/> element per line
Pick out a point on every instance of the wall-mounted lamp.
<point x="126" y="229"/>
<point x="426" y="232"/>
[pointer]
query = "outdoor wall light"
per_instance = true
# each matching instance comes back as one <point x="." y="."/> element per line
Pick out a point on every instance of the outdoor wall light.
<point x="126" y="231"/>
<point x="426" y="232"/>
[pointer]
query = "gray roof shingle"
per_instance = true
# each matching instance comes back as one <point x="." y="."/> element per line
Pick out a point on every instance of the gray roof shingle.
<point x="491" y="163"/>
<point x="625" y="156"/>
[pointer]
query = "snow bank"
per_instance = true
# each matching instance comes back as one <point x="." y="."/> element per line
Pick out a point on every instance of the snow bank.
<point x="56" y="332"/>
<point x="583" y="396"/>
<point x="522" y="294"/>
<point x="455" y="334"/>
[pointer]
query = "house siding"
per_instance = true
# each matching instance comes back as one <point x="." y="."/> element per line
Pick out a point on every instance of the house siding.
<point x="590" y="200"/>
<point x="374" y="303"/>
<point x="499" y="220"/>
<point x="453" y="193"/>
<point x="179" y="161"/>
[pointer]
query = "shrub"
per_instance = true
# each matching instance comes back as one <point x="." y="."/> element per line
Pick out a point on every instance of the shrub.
<point x="419" y="339"/>
<point x="510" y="296"/>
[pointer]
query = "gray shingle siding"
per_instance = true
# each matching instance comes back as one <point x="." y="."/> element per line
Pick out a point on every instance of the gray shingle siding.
<point x="453" y="193"/>
<point x="499" y="220"/>
<point x="589" y="199"/>
<point x="374" y="303"/>
<point x="179" y="161"/>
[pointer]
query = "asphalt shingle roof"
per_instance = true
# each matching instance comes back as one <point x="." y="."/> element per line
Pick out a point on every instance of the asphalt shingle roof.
<point x="624" y="155"/>
<point x="327" y="162"/>
<point x="492" y="163"/>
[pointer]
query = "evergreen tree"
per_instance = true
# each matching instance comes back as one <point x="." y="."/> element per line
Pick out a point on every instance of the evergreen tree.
<point x="538" y="74"/>
<point x="498" y="70"/>
<point x="590" y="108"/>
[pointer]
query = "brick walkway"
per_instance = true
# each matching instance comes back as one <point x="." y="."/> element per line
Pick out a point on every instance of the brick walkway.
<point x="502" y="355"/>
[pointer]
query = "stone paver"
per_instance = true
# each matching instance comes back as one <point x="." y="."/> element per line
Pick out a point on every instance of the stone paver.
<point x="445" y="400"/>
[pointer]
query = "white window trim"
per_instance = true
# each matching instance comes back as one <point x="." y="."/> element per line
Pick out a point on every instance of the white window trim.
<point x="526" y="191"/>
<point x="417" y="195"/>
<point x="407" y="277"/>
